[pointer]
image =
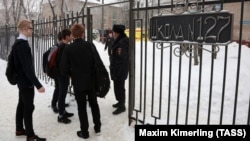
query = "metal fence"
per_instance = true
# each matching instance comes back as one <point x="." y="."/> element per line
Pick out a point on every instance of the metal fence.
<point x="165" y="86"/>
<point x="44" y="36"/>
<point x="7" y="38"/>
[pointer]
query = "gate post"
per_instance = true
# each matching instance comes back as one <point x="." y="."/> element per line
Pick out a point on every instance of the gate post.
<point x="89" y="25"/>
<point x="132" y="62"/>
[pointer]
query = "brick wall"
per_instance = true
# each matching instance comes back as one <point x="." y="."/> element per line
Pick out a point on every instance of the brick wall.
<point x="236" y="9"/>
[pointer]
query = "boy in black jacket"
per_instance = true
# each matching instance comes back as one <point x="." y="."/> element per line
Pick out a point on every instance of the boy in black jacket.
<point x="78" y="64"/>
<point x="27" y="80"/>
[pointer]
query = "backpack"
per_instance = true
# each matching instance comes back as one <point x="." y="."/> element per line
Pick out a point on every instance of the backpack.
<point x="49" y="61"/>
<point x="101" y="75"/>
<point x="45" y="60"/>
<point x="11" y="72"/>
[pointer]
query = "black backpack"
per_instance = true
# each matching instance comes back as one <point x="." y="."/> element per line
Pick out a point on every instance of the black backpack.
<point x="11" y="72"/>
<point x="101" y="75"/>
<point x="45" y="60"/>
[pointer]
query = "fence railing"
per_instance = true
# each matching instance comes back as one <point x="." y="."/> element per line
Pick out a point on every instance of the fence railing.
<point x="166" y="88"/>
<point x="44" y="36"/>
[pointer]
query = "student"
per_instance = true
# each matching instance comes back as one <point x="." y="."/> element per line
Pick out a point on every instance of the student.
<point x="119" y="65"/>
<point x="78" y="64"/>
<point x="63" y="80"/>
<point x="27" y="80"/>
<point x="54" y="100"/>
<point x="55" y="96"/>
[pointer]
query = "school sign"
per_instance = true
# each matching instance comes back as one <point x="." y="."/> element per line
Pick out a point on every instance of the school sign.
<point x="205" y="28"/>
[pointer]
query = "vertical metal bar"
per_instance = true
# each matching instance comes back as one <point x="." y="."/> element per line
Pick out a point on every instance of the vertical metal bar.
<point x="40" y="42"/>
<point x="170" y="75"/>
<point x="131" y="95"/>
<point x="224" y="85"/>
<point x="54" y="27"/>
<point x="145" y="92"/>
<point x="77" y="15"/>
<point x="141" y="66"/>
<point x="239" y="58"/>
<point x="153" y="80"/>
<point x="189" y="82"/>
<point x="145" y="70"/>
<point x="89" y="22"/>
<point x="222" y="4"/>
<point x="203" y="5"/>
<point x="161" y="72"/>
<point x="141" y="77"/>
<point x="83" y="21"/>
<point x="179" y="86"/>
<point x="67" y="22"/>
<point x="48" y="31"/>
<point x="211" y="86"/>
<point x="169" y="81"/>
<point x="199" y="88"/>
<point x="40" y="35"/>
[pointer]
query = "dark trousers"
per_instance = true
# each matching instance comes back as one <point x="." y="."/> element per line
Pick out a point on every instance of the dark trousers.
<point x="82" y="109"/>
<point x="24" y="111"/>
<point x="119" y="89"/>
<point x="63" y="82"/>
<point x="55" y="94"/>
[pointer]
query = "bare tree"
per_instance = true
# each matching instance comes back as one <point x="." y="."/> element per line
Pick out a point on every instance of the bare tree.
<point x="58" y="5"/>
<point x="16" y="11"/>
<point x="40" y="10"/>
<point x="66" y="6"/>
<point x="52" y="6"/>
<point x="62" y="8"/>
<point x="24" y="9"/>
<point x="6" y="9"/>
<point x="83" y="7"/>
<point x="28" y="8"/>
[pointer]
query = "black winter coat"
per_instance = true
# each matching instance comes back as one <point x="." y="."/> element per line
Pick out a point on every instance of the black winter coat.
<point x="78" y="63"/>
<point x="119" y="58"/>
<point x="24" y="64"/>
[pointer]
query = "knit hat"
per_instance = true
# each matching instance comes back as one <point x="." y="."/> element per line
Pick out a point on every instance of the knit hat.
<point x="118" y="28"/>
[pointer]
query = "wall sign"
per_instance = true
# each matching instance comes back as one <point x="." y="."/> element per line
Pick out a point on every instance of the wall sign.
<point x="206" y="28"/>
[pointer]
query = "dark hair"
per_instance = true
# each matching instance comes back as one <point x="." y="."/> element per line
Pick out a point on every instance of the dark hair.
<point x="65" y="32"/>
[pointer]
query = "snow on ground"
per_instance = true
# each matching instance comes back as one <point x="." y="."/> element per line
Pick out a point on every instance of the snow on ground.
<point x="114" y="128"/>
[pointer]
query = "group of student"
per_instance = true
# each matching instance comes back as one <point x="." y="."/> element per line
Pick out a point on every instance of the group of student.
<point x="75" y="63"/>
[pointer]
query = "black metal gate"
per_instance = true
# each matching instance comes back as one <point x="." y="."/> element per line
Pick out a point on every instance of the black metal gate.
<point x="176" y="80"/>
